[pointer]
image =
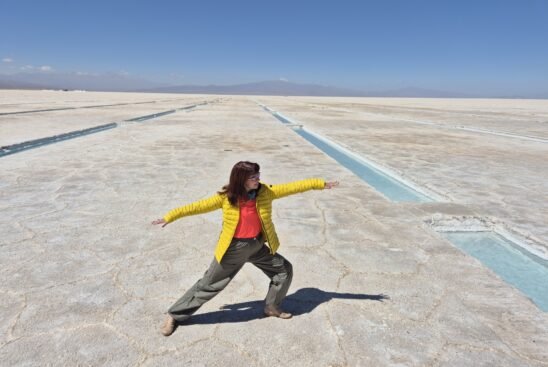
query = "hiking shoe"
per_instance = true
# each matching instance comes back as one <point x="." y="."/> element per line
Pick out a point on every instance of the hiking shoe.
<point x="276" y="312"/>
<point x="169" y="326"/>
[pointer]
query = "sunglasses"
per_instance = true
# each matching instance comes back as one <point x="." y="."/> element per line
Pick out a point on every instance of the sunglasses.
<point x="255" y="177"/>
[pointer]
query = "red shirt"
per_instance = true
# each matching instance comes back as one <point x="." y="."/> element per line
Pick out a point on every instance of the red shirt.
<point x="249" y="225"/>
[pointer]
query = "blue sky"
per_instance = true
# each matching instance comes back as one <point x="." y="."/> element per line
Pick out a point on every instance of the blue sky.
<point x="483" y="46"/>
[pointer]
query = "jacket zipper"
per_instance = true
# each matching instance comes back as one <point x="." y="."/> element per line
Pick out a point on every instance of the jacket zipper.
<point x="262" y="224"/>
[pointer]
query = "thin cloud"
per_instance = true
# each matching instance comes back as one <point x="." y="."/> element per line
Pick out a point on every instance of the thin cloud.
<point x="39" y="68"/>
<point x="7" y="60"/>
<point x="85" y="73"/>
<point x="283" y="79"/>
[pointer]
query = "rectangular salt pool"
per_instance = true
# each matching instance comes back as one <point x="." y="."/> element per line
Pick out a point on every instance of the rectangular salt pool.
<point x="388" y="186"/>
<point x="525" y="271"/>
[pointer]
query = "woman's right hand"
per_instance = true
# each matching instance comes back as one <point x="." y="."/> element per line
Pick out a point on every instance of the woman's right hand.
<point x="160" y="221"/>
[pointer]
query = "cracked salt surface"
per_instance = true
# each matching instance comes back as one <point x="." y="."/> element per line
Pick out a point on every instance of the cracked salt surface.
<point x="20" y="147"/>
<point x="87" y="280"/>
<point x="389" y="185"/>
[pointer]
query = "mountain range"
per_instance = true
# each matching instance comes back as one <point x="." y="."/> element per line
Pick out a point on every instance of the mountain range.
<point x="284" y="88"/>
<point x="113" y="82"/>
<point x="108" y="82"/>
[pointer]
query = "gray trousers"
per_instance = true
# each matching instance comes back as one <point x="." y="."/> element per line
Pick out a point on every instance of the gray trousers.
<point x="217" y="277"/>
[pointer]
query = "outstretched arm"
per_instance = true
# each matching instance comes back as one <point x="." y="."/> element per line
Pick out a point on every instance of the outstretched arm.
<point x="198" y="207"/>
<point x="282" y="190"/>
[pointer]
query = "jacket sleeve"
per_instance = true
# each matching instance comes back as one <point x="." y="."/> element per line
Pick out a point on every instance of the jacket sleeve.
<point x="281" y="190"/>
<point x="198" y="207"/>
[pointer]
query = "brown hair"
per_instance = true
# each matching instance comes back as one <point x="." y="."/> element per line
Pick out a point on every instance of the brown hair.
<point x="239" y="174"/>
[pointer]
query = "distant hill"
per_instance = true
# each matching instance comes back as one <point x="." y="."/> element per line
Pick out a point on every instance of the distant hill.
<point x="109" y="82"/>
<point x="125" y="83"/>
<point x="283" y="88"/>
<point x="8" y="83"/>
<point x="272" y="87"/>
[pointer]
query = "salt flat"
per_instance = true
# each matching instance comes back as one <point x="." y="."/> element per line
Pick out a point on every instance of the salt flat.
<point x="86" y="278"/>
<point x="503" y="178"/>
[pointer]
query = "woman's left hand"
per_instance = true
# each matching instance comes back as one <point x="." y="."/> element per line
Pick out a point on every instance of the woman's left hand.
<point x="331" y="184"/>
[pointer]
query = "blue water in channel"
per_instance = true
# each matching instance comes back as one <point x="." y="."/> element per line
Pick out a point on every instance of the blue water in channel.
<point x="36" y="143"/>
<point x="518" y="267"/>
<point x="389" y="187"/>
<point x="392" y="189"/>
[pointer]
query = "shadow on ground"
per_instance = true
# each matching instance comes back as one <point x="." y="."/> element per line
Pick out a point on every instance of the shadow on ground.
<point x="301" y="302"/>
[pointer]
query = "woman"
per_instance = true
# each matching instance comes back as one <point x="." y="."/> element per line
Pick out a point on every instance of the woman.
<point x="247" y="225"/>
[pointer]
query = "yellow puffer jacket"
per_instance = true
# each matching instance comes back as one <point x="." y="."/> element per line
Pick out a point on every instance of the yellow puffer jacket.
<point x="231" y="214"/>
